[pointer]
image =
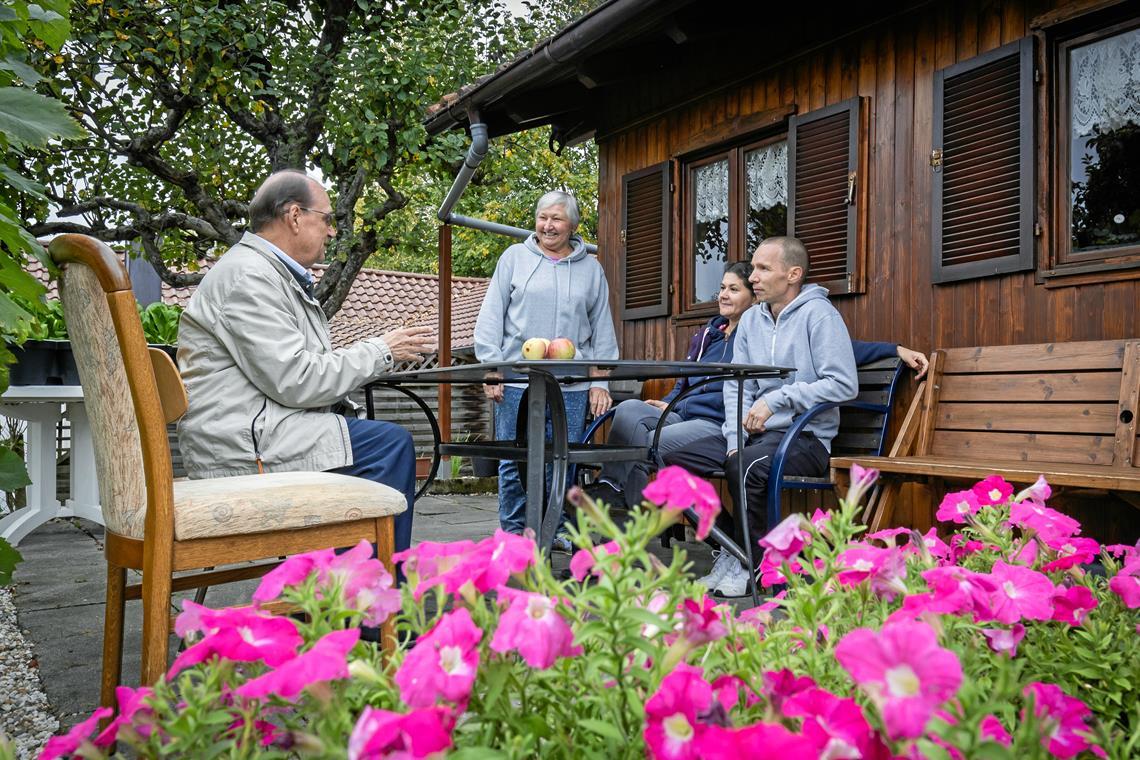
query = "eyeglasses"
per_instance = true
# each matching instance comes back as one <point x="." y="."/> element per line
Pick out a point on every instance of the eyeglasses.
<point x="330" y="220"/>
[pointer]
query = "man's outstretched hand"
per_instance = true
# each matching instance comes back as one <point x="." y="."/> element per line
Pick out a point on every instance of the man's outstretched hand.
<point x="408" y="343"/>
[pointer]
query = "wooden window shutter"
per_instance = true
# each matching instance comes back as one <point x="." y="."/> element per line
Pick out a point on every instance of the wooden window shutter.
<point x="827" y="192"/>
<point x="982" y="159"/>
<point x="646" y="226"/>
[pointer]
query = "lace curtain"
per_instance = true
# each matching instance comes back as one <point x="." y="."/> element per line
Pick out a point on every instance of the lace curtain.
<point x="766" y="172"/>
<point x="1104" y="82"/>
<point x="712" y="192"/>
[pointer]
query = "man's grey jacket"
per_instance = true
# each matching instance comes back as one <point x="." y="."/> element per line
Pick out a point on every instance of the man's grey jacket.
<point x="261" y="373"/>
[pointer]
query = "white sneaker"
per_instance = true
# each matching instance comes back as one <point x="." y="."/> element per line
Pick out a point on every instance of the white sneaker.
<point x="719" y="568"/>
<point x="734" y="582"/>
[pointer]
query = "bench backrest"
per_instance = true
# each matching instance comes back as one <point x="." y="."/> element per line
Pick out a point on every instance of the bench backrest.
<point x="1072" y="403"/>
<point x="863" y="431"/>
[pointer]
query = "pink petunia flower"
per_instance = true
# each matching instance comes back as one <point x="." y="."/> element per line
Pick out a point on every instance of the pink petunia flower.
<point x="885" y="568"/>
<point x="584" y="562"/>
<point x="904" y="671"/>
<point x="384" y="734"/>
<point x="132" y="704"/>
<point x="1064" y="719"/>
<point x="836" y="726"/>
<point x="73" y="740"/>
<point x="784" y="542"/>
<point x="672" y="730"/>
<point x="429" y="559"/>
<point x="992" y="491"/>
<point x="862" y="478"/>
<point x="960" y="547"/>
<point x="1038" y="492"/>
<point x="991" y="728"/>
<point x="1070" y="552"/>
<point x="1005" y="640"/>
<point x="1126" y="583"/>
<point x="771" y="571"/>
<point x="954" y="590"/>
<point x="326" y="660"/>
<point x="935" y="546"/>
<point x="727" y="690"/>
<point x="241" y="634"/>
<point x="757" y="740"/>
<point x="363" y="580"/>
<point x="1045" y="522"/>
<point x="532" y="627"/>
<point x="443" y="664"/>
<point x="676" y="489"/>
<point x="701" y="622"/>
<point x="781" y="685"/>
<point x="958" y="507"/>
<point x="1021" y="593"/>
<point x="1072" y="605"/>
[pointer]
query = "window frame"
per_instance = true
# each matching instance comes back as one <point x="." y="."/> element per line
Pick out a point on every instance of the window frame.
<point x="734" y="153"/>
<point x="1063" y="260"/>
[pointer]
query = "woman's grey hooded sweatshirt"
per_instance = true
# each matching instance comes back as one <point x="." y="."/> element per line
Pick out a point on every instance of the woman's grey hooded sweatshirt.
<point x="533" y="296"/>
<point x="810" y="336"/>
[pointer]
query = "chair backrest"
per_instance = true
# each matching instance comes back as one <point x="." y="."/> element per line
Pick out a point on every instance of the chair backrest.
<point x="863" y="428"/>
<point x="128" y="429"/>
<point x="1062" y="403"/>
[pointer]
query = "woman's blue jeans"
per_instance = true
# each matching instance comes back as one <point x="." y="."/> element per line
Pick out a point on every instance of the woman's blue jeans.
<point x="512" y="496"/>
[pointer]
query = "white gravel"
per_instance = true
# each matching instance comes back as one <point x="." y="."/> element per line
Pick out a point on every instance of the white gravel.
<point x="25" y="715"/>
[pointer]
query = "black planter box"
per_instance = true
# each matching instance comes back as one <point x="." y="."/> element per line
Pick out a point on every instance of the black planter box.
<point x="43" y="362"/>
<point x="51" y="362"/>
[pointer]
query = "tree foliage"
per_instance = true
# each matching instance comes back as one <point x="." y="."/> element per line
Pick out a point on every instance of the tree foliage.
<point x="190" y="104"/>
<point x="28" y="121"/>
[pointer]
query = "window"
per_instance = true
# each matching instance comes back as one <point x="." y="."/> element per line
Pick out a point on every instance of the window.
<point x="1098" y="146"/>
<point x="736" y="198"/>
<point x="982" y="160"/>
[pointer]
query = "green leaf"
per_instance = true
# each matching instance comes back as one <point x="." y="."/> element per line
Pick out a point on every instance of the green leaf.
<point x="602" y="728"/>
<point x="9" y="558"/>
<point x="26" y="73"/>
<point x="29" y="119"/>
<point x="13" y="474"/>
<point x="19" y="282"/>
<point x="20" y="183"/>
<point x="476" y="753"/>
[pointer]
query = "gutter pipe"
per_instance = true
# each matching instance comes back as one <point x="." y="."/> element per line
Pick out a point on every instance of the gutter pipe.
<point x="480" y="144"/>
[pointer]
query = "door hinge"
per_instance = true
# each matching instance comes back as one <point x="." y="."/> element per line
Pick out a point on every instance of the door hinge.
<point x="851" y="189"/>
<point x="1037" y="229"/>
<point x="1036" y="75"/>
<point x="936" y="159"/>
<point x="621" y="237"/>
<point x="672" y="187"/>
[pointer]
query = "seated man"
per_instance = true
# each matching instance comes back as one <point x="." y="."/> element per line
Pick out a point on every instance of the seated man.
<point x="794" y="325"/>
<point x="260" y="371"/>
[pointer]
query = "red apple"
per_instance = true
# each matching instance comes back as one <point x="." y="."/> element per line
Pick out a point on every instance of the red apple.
<point x="561" y="348"/>
<point x="535" y="348"/>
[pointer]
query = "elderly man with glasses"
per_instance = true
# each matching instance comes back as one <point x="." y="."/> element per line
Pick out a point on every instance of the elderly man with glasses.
<point x="260" y="371"/>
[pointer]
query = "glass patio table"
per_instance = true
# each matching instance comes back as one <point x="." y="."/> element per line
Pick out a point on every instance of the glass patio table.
<point x="543" y="379"/>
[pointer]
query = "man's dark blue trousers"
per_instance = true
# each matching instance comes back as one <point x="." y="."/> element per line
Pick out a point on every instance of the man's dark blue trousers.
<point x="383" y="453"/>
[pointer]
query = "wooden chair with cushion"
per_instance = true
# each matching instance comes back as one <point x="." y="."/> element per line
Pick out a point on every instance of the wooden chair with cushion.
<point x="159" y="526"/>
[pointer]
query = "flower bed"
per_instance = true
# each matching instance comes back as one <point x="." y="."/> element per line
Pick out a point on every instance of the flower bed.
<point x="996" y="643"/>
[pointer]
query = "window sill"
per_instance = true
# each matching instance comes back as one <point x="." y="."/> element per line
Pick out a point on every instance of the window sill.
<point x="1086" y="274"/>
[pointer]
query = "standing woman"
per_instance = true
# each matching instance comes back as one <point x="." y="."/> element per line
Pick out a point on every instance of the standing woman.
<point x="549" y="287"/>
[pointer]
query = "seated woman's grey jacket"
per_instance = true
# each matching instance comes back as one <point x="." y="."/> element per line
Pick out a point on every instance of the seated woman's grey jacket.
<point x="261" y="373"/>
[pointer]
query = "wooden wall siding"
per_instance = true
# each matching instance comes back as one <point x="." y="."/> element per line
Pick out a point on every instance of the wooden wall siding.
<point x="893" y="64"/>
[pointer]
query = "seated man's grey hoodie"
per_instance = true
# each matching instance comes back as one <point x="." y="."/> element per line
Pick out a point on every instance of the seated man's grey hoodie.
<point x="810" y="337"/>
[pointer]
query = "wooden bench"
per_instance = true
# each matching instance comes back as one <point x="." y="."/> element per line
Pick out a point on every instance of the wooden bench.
<point x="1063" y="410"/>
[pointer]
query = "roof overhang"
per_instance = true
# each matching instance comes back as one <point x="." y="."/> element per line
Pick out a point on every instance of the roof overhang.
<point x="629" y="60"/>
